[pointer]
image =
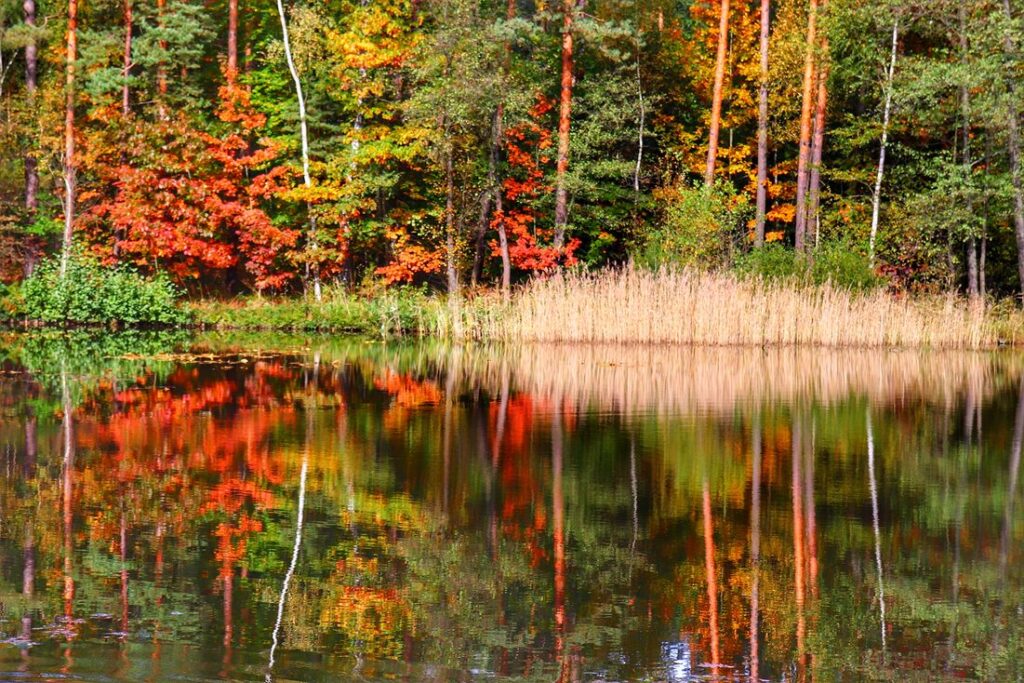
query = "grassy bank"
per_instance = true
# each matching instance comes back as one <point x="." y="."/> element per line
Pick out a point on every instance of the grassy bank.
<point x="636" y="306"/>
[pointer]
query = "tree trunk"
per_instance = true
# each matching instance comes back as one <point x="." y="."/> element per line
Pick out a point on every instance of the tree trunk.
<point x="450" y="244"/>
<point x="805" y="129"/>
<point x="564" y="120"/>
<point x="755" y="546"/>
<point x="232" y="40"/>
<point x="125" y="90"/>
<point x="710" y="572"/>
<point x="31" y="80"/>
<point x="716" y="96"/>
<point x="161" y="69"/>
<point x="873" y="489"/>
<point x="818" y="142"/>
<point x="71" y="56"/>
<point x="965" y="111"/>
<point x="1013" y="127"/>
<point x="798" y="540"/>
<point x="486" y="197"/>
<point x="876" y="198"/>
<point x="558" y="530"/>
<point x="762" y="128"/>
<point x="304" y="137"/>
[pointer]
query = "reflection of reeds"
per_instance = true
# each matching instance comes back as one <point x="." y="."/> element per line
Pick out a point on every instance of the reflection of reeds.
<point x="682" y="379"/>
<point x="691" y="307"/>
<point x="670" y="378"/>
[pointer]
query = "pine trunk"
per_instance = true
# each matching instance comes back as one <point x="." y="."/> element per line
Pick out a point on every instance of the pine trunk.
<point x="805" y="130"/>
<point x="71" y="56"/>
<point x="762" y="128"/>
<point x="232" y="40"/>
<point x="125" y="90"/>
<point x="564" y="120"/>
<point x="716" y="96"/>
<point x="818" y="143"/>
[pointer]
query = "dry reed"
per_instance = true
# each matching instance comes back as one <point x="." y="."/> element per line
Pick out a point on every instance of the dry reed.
<point x="719" y="309"/>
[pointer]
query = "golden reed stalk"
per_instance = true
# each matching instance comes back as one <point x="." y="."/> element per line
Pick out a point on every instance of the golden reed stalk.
<point x="720" y="309"/>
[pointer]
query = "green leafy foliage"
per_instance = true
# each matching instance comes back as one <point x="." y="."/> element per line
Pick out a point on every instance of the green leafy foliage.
<point x="702" y="227"/>
<point x="92" y="294"/>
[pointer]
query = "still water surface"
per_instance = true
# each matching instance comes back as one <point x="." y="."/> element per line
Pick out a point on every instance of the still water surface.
<point x="321" y="510"/>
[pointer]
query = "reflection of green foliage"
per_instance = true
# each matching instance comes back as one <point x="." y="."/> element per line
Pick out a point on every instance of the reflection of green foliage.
<point x="85" y="358"/>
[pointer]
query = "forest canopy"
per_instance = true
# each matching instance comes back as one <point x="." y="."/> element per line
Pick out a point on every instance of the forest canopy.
<point x="256" y="147"/>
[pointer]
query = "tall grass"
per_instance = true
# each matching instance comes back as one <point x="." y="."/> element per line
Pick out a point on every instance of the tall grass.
<point x="721" y="309"/>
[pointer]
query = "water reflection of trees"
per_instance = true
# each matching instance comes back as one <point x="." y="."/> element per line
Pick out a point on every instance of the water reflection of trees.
<point x="488" y="511"/>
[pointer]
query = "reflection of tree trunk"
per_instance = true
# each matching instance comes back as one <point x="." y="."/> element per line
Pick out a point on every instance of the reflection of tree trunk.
<point x="499" y="427"/>
<point x="755" y="546"/>
<point x="124" y="571"/>
<point x="300" y="510"/>
<point x="558" y="526"/>
<point x="28" y="575"/>
<point x="812" y="530"/>
<point x="229" y="584"/>
<point x="1015" y="450"/>
<point x="711" y="575"/>
<point x="875" y="527"/>
<point x="798" y="542"/>
<point x="68" y="482"/>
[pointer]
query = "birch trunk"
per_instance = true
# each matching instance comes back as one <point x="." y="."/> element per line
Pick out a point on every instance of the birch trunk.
<point x="876" y="197"/>
<point x="304" y="137"/>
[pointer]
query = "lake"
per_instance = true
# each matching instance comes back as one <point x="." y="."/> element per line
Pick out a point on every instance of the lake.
<point x="245" y="507"/>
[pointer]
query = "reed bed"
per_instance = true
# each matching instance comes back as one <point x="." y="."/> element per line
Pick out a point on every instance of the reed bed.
<point x="719" y="309"/>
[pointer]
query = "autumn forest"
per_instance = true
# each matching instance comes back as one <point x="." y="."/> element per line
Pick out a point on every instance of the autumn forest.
<point x="249" y="148"/>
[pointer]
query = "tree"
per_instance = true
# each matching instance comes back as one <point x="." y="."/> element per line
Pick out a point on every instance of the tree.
<point x="762" y="126"/>
<point x="716" y="98"/>
<point x="804" y="155"/>
<point x="71" y="55"/>
<point x="564" y="124"/>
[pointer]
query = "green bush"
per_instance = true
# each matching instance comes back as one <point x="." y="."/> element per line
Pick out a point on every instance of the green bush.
<point x="839" y="263"/>
<point x="701" y="228"/>
<point x="92" y="294"/>
<point x="844" y="266"/>
<point x="772" y="262"/>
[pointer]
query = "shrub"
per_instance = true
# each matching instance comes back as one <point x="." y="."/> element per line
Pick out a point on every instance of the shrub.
<point x="772" y="263"/>
<point x="700" y="229"/>
<point x="844" y="266"/>
<point x="839" y="263"/>
<point x="92" y="294"/>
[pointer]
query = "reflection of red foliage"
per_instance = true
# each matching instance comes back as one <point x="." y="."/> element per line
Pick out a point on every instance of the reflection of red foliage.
<point x="408" y="391"/>
<point x="527" y="148"/>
